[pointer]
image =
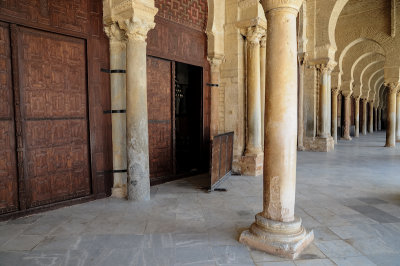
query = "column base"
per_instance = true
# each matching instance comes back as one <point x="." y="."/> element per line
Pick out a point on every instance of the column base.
<point x="252" y="164"/>
<point x="118" y="192"/>
<point x="284" y="239"/>
<point x="319" y="144"/>
<point x="347" y="138"/>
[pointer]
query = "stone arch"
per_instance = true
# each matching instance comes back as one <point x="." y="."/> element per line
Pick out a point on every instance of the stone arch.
<point x="377" y="86"/>
<point x="369" y="70"/>
<point x="361" y="67"/>
<point x="371" y="82"/>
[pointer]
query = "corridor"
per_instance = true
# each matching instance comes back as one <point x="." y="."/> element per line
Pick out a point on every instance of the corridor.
<point x="350" y="198"/>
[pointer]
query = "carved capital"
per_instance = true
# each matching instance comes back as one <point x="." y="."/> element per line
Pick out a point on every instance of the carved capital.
<point x="357" y="98"/>
<point x="335" y="91"/>
<point x="393" y="87"/>
<point x="326" y="67"/>
<point x="254" y="35"/>
<point x="137" y="29"/>
<point x="114" y="33"/>
<point x="346" y="94"/>
<point x="215" y="62"/>
<point x="269" y="5"/>
<point x="263" y="42"/>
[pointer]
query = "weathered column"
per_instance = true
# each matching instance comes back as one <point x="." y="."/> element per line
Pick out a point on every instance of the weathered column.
<point x="347" y="115"/>
<point x="276" y="229"/>
<point x="335" y="93"/>
<point x="357" y="117"/>
<point x="364" y="114"/>
<point x="371" y="117"/>
<point x="137" y="137"/>
<point x="263" y="54"/>
<point x="300" y="111"/>
<point x="391" y="115"/>
<point x="118" y="106"/>
<point x="252" y="160"/>
<point x="215" y="63"/>
<point x="398" y="117"/>
<point x="324" y="139"/>
<point x="379" y="118"/>
<point x="375" y="119"/>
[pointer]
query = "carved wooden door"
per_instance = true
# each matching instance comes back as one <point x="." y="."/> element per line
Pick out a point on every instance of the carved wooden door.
<point x="53" y="94"/>
<point x="159" y="105"/>
<point x="8" y="166"/>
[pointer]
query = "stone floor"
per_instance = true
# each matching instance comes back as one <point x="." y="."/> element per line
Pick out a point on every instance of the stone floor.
<point x="350" y="197"/>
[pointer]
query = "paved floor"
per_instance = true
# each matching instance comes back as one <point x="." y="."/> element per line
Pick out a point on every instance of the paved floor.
<point x="350" y="197"/>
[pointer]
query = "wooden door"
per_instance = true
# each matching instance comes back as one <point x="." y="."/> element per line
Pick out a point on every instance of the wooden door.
<point x="159" y="105"/>
<point x="53" y="95"/>
<point x="8" y="166"/>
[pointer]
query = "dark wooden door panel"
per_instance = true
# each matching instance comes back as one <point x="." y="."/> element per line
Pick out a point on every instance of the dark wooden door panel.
<point x="160" y="116"/>
<point x="8" y="166"/>
<point x="221" y="158"/>
<point x="52" y="84"/>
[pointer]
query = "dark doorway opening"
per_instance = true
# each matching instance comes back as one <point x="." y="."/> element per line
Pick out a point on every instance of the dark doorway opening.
<point x="188" y="117"/>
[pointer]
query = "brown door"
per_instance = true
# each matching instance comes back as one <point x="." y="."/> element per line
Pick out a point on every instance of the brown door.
<point x="159" y="73"/>
<point x="8" y="166"/>
<point x="53" y="95"/>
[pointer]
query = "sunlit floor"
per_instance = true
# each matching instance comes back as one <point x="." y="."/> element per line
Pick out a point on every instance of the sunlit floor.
<point x="350" y="197"/>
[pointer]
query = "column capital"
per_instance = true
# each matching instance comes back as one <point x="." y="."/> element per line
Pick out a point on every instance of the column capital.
<point x="136" y="29"/>
<point x="335" y="90"/>
<point x="269" y="5"/>
<point x="263" y="42"/>
<point x="303" y="58"/>
<point x="346" y="93"/>
<point x="254" y="35"/>
<point x="393" y="87"/>
<point x="326" y="67"/>
<point x="114" y="33"/>
<point x="215" y="61"/>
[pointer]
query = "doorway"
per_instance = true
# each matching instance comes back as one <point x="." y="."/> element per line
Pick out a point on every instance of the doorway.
<point x="188" y="117"/>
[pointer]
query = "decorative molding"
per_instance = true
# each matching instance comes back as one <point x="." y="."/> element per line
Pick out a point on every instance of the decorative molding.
<point x="254" y="35"/>
<point x="136" y="29"/>
<point x="274" y="4"/>
<point x="114" y="33"/>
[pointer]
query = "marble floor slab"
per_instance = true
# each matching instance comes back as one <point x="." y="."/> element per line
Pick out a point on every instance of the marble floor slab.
<point x="350" y="198"/>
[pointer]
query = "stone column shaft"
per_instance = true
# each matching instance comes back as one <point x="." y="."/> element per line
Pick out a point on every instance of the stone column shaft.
<point x="347" y="115"/>
<point x="215" y="63"/>
<point x="323" y="127"/>
<point x="300" y="111"/>
<point x="379" y="119"/>
<point x="398" y="117"/>
<point x="357" y="117"/>
<point x="335" y="93"/>
<point x="263" y="55"/>
<point x="391" y="116"/>
<point x="118" y="120"/>
<point x="364" y="120"/>
<point x="375" y="119"/>
<point x="276" y="229"/>
<point x="371" y="118"/>
<point x="253" y="145"/>
<point x="137" y="136"/>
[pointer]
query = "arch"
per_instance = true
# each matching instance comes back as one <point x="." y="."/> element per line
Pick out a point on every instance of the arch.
<point x="376" y="75"/>
<point x="361" y="67"/>
<point x="367" y="73"/>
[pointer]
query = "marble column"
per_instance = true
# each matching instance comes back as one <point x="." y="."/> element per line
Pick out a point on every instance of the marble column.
<point x="252" y="160"/>
<point x="364" y="115"/>
<point x="276" y="229"/>
<point x="398" y="117"/>
<point x="215" y="63"/>
<point x="137" y="137"/>
<point x="357" y="117"/>
<point x="263" y="54"/>
<point x="371" y="117"/>
<point x="300" y="109"/>
<point x="118" y="106"/>
<point x="347" y="115"/>
<point x="335" y="93"/>
<point x="391" y="115"/>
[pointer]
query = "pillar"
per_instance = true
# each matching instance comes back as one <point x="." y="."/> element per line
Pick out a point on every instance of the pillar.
<point x="137" y="137"/>
<point x="263" y="51"/>
<point x="347" y="115"/>
<point x="118" y="107"/>
<point x="334" y="104"/>
<point x="375" y="119"/>
<point x="276" y="229"/>
<point x="371" y="117"/>
<point x="215" y="63"/>
<point x="379" y="118"/>
<point x="252" y="161"/>
<point x="300" y="109"/>
<point x="391" y="115"/>
<point x="364" y="115"/>
<point x="357" y="116"/>
<point x="398" y="117"/>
